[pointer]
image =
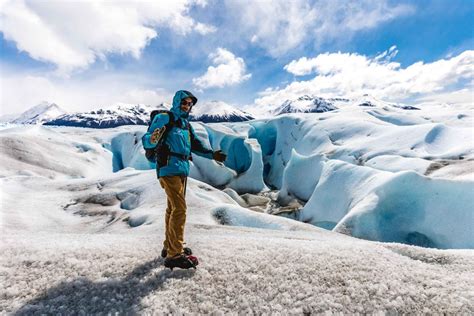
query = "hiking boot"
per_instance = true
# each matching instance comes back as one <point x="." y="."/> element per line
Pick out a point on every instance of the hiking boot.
<point x="181" y="261"/>
<point x="187" y="251"/>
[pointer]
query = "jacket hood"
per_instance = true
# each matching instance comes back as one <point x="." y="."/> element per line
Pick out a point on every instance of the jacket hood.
<point x="176" y="108"/>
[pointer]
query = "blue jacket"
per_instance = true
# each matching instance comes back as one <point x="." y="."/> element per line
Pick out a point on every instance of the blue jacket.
<point x="179" y="140"/>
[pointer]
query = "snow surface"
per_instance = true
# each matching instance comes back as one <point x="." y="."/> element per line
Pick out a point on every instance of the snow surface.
<point x="81" y="249"/>
<point x="82" y="217"/>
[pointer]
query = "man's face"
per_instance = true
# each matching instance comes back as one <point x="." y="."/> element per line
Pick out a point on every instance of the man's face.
<point x="186" y="104"/>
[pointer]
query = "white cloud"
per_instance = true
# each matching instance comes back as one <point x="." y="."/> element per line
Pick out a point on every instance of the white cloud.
<point x="228" y="70"/>
<point x="204" y="29"/>
<point x="22" y="91"/>
<point x="302" y="66"/>
<point x="277" y="26"/>
<point x="358" y="15"/>
<point x="280" y="26"/>
<point x="73" y="34"/>
<point x="387" y="55"/>
<point x="344" y="74"/>
<point x="306" y="66"/>
<point x="19" y="93"/>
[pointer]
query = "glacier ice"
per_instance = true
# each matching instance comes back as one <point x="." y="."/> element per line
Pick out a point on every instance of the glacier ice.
<point x="338" y="163"/>
<point x="342" y="165"/>
<point x="301" y="187"/>
<point x="410" y="208"/>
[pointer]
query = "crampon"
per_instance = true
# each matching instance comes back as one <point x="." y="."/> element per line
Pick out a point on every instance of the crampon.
<point x="182" y="261"/>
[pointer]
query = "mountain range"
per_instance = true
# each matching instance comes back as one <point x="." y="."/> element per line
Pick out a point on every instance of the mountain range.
<point x="117" y="115"/>
<point x="208" y="112"/>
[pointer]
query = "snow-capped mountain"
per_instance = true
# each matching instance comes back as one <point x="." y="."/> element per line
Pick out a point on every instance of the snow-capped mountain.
<point x="405" y="107"/>
<point x="306" y="104"/>
<point x="218" y="111"/>
<point x="371" y="101"/>
<point x="316" y="104"/>
<point x="207" y="112"/>
<point x="39" y="114"/>
<point x="302" y="104"/>
<point x="117" y="115"/>
<point x="139" y="114"/>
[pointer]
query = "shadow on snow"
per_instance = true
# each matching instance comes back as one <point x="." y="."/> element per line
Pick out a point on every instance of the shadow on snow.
<point x="83" y="296"/>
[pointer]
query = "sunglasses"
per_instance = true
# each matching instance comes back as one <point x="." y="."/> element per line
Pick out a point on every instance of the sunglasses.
<point x="190" y="103"/>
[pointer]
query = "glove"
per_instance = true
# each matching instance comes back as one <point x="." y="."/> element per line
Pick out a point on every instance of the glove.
<point x="219" y="156"/>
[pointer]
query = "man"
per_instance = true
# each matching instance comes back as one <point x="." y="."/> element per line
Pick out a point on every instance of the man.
<point x="173" y="169"/>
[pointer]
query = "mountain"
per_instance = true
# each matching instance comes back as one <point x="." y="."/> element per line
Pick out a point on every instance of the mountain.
<point x="370" y="101"/>
<point x="207" y="112"/>
<point x="39" y="114"/>
<point x="305" y="104"/>
<point x="139" y="114"/>
<point x="302" y="104"/>
<point x="117" y="115"/>
<point x="218" y="111"/>
<point x="315" y="104"/>
<point x="405" y="107"/>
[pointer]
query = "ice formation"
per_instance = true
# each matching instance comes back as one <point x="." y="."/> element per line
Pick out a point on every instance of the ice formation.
<point x="372" y="172"/>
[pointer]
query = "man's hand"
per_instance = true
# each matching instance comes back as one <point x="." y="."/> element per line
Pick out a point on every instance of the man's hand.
<point x="156" y="135"/>
<point x="219" y="156"/>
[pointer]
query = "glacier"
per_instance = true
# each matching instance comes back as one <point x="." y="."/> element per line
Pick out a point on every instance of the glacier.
<point x="337" y="162"/>
<point x="82" y="217"/>
<point x="354" y="172"/>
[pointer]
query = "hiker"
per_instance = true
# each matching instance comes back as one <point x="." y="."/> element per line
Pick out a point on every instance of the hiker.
<point x="172" y="138"/>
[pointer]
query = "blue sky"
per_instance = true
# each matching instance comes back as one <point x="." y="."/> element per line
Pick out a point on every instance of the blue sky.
<point x="83" y="56"/>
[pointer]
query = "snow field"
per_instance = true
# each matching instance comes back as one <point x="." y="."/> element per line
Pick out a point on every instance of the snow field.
<point x="241" y="270"/>
<point x="35" y="150"/>
<point x="97" y="262"/>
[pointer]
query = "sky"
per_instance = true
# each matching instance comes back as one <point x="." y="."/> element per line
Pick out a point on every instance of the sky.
<point x="84" y="55"/>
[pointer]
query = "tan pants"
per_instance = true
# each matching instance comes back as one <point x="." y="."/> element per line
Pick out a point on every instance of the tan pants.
<point x="175" y="213"/>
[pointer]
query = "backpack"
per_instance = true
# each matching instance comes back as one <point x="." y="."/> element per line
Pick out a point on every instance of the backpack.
<point x="161" y="152"/>
<point x="151" y="154"/>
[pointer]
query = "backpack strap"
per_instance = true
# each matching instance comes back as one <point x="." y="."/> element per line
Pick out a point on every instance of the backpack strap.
<point x="171" y="123"/>
<point x="178" y="124"/>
